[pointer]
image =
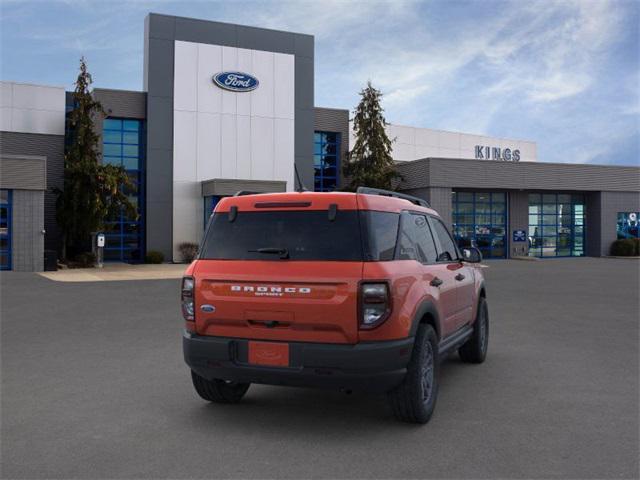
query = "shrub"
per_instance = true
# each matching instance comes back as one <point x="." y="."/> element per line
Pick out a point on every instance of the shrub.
<point x="153" y="256"/>
<point x="188" y="251"/>
<point x="85" y="260"/>
<point x="627" y="247"/>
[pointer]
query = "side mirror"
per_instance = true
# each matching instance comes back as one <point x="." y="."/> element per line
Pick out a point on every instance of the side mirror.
<point x="471" y="255"/>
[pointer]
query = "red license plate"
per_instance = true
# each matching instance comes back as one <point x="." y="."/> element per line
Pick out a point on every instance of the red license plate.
<point x="269" y="354"/>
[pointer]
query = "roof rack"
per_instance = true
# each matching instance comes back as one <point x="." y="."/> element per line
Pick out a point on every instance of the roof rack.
<point x="242" y="193"/>
<point x="389" y="193"/>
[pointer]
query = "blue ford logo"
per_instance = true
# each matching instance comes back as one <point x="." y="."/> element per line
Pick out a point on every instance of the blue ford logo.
<point x="236" y="81"/>
<point x="208" y="308"/>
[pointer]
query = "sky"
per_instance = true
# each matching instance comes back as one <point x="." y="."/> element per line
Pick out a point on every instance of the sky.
<point x="565" y="74"/>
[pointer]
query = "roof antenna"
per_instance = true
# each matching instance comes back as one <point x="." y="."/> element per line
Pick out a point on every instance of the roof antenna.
<point x="301" y="187"/>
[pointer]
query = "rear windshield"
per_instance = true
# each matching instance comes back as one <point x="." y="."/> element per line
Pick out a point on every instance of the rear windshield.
<point x="302" y="235"/>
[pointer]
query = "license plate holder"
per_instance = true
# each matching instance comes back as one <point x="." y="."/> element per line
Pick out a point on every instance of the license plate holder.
<point x="269" y="354"/>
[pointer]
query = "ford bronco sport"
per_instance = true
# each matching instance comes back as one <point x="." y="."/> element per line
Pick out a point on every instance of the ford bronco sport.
<point x="353" y="291"/>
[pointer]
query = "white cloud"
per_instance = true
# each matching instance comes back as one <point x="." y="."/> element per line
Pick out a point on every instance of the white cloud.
<point x="458" y="66"/>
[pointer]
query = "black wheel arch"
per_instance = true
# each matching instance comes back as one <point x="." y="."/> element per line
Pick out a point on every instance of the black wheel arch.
<point x="426" y="314"/>
<point x="482" y="290"/>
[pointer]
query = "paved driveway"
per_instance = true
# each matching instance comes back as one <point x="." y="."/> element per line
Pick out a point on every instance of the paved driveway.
<point x="93" y="386"/>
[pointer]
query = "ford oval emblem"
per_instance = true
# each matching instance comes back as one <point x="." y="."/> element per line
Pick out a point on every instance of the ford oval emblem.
<point x="208" y="308"/>
<point x="236" y="81"/>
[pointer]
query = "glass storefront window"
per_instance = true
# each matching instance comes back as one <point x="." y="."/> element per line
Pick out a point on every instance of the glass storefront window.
<point x="479" y="219"/>
<point x="326" y="161"/>
<point x="556" y="225"/>
<point x="123" y="145"/>
<point x="5" y="229"/>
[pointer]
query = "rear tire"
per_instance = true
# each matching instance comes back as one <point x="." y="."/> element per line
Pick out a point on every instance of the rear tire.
<point x="414" y="400"/>
<point x="475" y="349"/>
<point x="219" y="391"/>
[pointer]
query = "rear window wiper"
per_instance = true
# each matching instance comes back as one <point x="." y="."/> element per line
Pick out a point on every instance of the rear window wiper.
<point x="283" y="252"/>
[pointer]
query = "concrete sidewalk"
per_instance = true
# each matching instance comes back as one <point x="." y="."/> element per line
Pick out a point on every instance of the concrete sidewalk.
<point x="117" y="272"/>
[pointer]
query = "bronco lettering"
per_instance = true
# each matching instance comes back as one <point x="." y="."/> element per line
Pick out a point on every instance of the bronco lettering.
<point x="269" y="289"/>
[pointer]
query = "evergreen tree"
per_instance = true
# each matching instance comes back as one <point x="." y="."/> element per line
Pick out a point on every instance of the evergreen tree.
<point x="92" y="191"/>
<point x="369" y="163"/>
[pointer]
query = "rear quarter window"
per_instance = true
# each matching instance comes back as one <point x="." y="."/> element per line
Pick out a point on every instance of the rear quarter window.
<point x="416" y="241"/>
<point x="380" y="234"/>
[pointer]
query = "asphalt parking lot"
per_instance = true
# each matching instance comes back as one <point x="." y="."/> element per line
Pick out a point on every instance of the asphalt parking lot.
<point x="94" y="386"/>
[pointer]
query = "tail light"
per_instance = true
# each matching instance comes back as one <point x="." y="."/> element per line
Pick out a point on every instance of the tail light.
<point x="187" y="298"/>
<point x="375" y="304"/>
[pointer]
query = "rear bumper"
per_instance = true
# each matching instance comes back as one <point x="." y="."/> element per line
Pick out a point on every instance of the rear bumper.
<point x="371" y="367"/>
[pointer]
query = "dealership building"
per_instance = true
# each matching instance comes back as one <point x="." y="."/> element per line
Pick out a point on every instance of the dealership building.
<point x="228" y="107"/>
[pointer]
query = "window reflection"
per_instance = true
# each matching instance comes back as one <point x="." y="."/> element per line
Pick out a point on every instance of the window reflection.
<point x="123" y="146"/>
<point x="479" y="219"/>
<point x="326" y="161"/>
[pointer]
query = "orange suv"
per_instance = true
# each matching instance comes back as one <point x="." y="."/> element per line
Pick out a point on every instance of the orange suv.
<point x="352" y="291"/>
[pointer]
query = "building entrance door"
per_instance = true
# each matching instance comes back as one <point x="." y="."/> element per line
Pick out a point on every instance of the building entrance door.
<point x="479" y="220"/>
<point x="556" y="225"/>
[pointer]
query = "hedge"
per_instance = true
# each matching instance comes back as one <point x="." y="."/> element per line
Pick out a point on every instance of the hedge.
<point x="153" y="256"/>
<point x="628" y="247"/>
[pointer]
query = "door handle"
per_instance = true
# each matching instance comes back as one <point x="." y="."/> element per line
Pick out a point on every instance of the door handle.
<point x="436" y="282"/>
<point x="459" y="277"/>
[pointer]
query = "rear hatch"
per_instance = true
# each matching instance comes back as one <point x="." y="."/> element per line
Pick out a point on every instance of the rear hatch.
<point x="281" y="267"/>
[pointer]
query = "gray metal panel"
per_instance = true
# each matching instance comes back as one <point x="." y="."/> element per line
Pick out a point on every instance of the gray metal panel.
<point x="439" y="199"/>
<point x="262" y="39"/>
<point x="27" y="240"/>
<point x="230" y="186"/>
<point x="422" y="193"/>
<point x="160" y="188"/>
<point x="304" y="119"/>
<point x="610" y="204"/>
<point x="331" y="120"/>
<point x="23" y="172"/>
<point x="494" y="175"/>
<point x="488" y="174"/>
<point x="160" y="26"/>
<point x="51" y="147"/>
<point x="202" y="31"/>
<point x="304" y="84"/>
<point x="518" y="203"/>
<point x="334" y="120"/>
<point x="158" y="218"/>
<point x="161" y="32"/>
<point x="160" y="68"/>
<point x="593" y="224"/>
<point x="122" y="103"/>
<point x="303" y="45"/>
<point x="414" y="175"/>
<point x="145" y="55"/>
<point x="160" y="130"/>
<point x="303" y="145"/>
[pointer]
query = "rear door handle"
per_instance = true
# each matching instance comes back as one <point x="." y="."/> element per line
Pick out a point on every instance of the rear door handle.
<point x="459" y="277"/>
<point x="436" y="282"/>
